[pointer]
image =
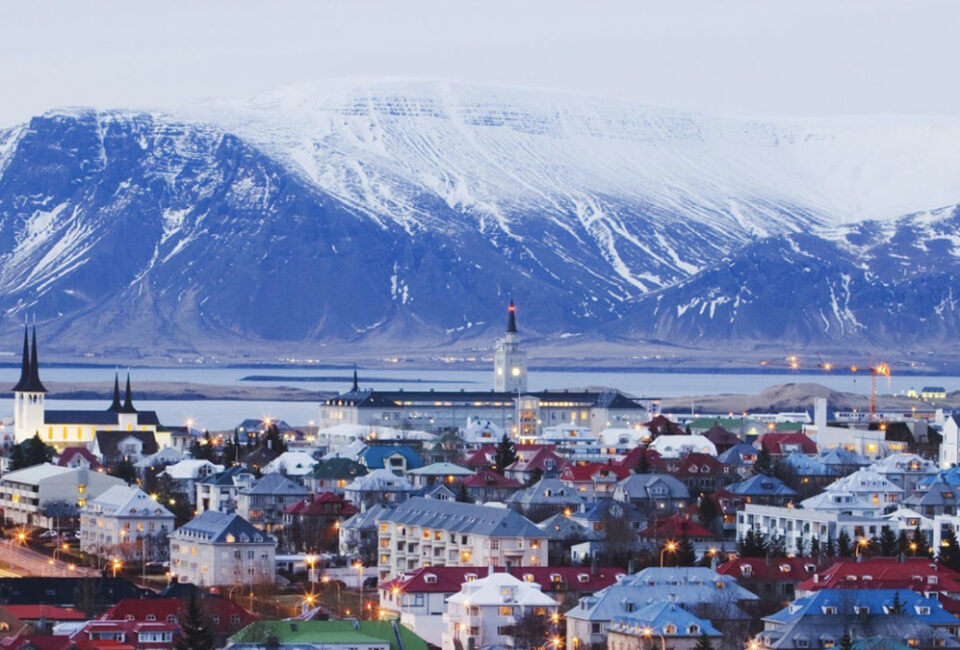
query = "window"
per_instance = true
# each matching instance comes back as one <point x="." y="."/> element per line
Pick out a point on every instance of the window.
<point x="235" y="619"/>
<point x="506" y="610"/>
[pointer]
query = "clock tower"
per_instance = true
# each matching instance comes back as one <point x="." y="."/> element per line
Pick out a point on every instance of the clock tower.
<point x="509" y="361"/>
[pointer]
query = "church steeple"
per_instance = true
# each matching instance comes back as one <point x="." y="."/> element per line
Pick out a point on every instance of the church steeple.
<point x="128" y="399"/>
<point x="511" y="318"/>
<point x="356" y="383"/>
<point x="33" y="384"/>
<point x="115" y="406"/>
<point x="25" y="364"/>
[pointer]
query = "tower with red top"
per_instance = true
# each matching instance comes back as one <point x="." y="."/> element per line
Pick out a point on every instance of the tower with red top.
<point x="509" y="361"/>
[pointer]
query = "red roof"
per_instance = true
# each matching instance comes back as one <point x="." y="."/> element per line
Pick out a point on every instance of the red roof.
<point x="161" y="608"/>
<point x="131" y="630"/>
<point x="449" y="579"/>
<point x="320" y="505"/>
<point x="489" y="478"/>
<point x="35" y="612"/>
<point x="693" y="464"/>
<point x="482" y="457"/>
<point x="70" y="453"/>
<point x="632" y="457"/>
<point x="778" y="568"/>
<point x="885" y="573"/>
<point x="584" y="473"/>
<point x="775" y="443"/>
<point x="538" y="460"/>
<point x="663" y="426"/>
<point x="675" y="527"/>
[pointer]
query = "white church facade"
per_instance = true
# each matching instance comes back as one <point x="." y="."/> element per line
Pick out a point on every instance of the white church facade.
<point x="73" y="427"/>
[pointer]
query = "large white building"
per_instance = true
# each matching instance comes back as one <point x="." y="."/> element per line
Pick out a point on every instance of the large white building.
<point x="65" y="428"/>
<point x="217" y="548"/>
<point x="26" y="493"/>
<point x="509" y="361"/>
<point x="807" y="523"/>
<point x="427" y="532"/>
<point x="124" y="522"/>
<point x="487" y="611"/>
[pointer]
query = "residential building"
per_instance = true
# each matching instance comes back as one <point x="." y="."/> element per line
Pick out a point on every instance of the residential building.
<point x="905" y="470"/>
<point x="219" y="491"/>
<point x="653" y="494"/>
<point x="187" y="472"/>
<point x="664" y="620"/>
<point x="774" y="579"/>
<point x="487" y="485"/>
<point x="775" y="522"/>
<point x="934" y="498"/>
<point x="546" y="497"/>
<point x="701" y="473"/>
<point x="919" y="574"/>
<point x="741" y="458"/>
<point x="333" y="474"/>
<point x="123" y="634"/>
<point x="593" y="481"/>
<point x="399" y="459"/>
<point x="315" y="521"/>
<point x="677" y="446"/>
<point x="111" y="447"/>
<point x="217" y="548"/>
<point x="694" y="588"/>
<point x="125" y="523"/>
<point x="442" y="473"/>
<point x="426" y="532"/>
<point x="675" y="527"/>
<point x="296" y="465"/>
<point x="358" y="535"/>
<point x="763" y="490"/>
<point x="536" y="462"/>
<point x="26" y="494"/>
<point x="223" y="616"/>
<point x="779" y="444"/>
<point x="78" y="457"/>
<point x="379" y="486"/>
<point x="488" y="611"/>
<point x="263" y="502"/>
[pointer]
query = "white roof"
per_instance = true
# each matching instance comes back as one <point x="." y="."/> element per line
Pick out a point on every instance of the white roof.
<point x="124" y="500"/>
<point x="361" y="431"/>
<point x="35" y="473"/>
<point x="293" y="463"/>
<point x="676" y="446"/>
<point x="379" y="480"/>
<point x="351" y="450"/>
<point x="190" y="468"/>
<point x="864" y="481"/>
<point x="618" y="437"/>
<point x="165" y="456"/>
<point x="501" y="589"/>
<point x="896" y="463"/>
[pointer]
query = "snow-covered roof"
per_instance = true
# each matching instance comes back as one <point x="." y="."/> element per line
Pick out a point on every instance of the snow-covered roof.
<point x="441" y="469"/>
<point x="121" y="500"/>
<point x="191" y="468"/>
<point x="501" y="589"/>
<point x="380" y="480"/>
<point x="676" y="446"/>
<point x="292" y="463"/>
<point x="35" y="473"/>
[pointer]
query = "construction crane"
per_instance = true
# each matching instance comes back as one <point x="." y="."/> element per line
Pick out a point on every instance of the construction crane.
<point x="876" y="370"/>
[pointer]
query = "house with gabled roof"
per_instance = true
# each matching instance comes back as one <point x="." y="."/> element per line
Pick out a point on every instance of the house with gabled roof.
<point x="775" y="580"/>
<point x="669" y="621"/>
<point x="700" y="472"/>
<point x="919" y="574"/>
<point x="653" y="494"/>
<point x="545" y="497"/>
<point x="219" y="491"/>
<point x="262" y="503"/>
<point x="676" y="527"/>
<point x="592" y="481"/>
<point x="217" y="548"/>
<point x="741" y="458"/>
<point x="378" y="486"/>
<point x="539" y="462"/>
<point x="721" y="438"/>
<point x="224" y="617"/>
<point x="487" y="485"/>
<point x="124" y="522"/>
<point x="113" y="446"/>
<point x="76" y="457"/>
<point x="762" y="489"/>
<point x="333" y="474"/>
<point x="779" y="444"/>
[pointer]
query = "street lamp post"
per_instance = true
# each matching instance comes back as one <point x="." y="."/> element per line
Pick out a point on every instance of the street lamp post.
<point x="116" y="564"/>
<point x="863" y="542"/>
<point x="669" y="546"/>
<point x="359" y="567"/>
<point x="326" y="580"/>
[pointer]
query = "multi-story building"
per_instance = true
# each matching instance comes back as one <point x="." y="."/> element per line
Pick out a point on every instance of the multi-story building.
<point x="124" y="522"/>
<point x="488" y="612"/>
<point x="427" y="532"/>
<point x="26" y="494"/>
<point x="661" y="620"/>
<point x="219" y="491"/>
<point x="217" y="548"/>
<point x="263" y="502"/>
<point x="791" y="524"/>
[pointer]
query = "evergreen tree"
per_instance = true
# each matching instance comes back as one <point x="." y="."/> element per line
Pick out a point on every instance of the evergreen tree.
<point x="751" y="545"/>
<point x="949" y="551"/>
<point x="30" y="452"/>
<point x="888" y="542"/>
<point x="506" y="454"/>
<point x="273" y="439"/>
<point x="846" y="641"/>
<point x="704" y="642"/>
<point x="801" y="547"/>
<point x="830" y="549"/>
<point x="462" y="495"/>
<point x="643" y="463"/>
<point x="922" y="545"/>
<point x="196" y="630"/>
<point x="707" y="512"/>
<point x="687" y="430"/>
<point x="777" y="546"/>
<point x="763" y="464"/>
<point x="125" y="470"/>
<point x="686" y="553"/>
<point x="844" y="548"/>
<point x="230" y="453"/>
<point x="903" y="543"/>
<point x="815" y="547"/>
<point x="897" y="606"/>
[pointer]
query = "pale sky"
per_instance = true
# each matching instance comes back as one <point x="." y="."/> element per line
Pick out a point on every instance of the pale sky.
<point x="805" y="57"/>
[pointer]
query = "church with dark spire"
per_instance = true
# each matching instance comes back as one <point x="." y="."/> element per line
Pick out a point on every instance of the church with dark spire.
<point x="74" y="427"/>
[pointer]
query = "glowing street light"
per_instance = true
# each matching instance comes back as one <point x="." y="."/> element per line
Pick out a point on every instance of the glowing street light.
<point x="116" y="565"/>
<point x="671" y="547"/>
<point x="863" y="542"/>
<point x="326" y="580"/>
<point x="647" y="633"/>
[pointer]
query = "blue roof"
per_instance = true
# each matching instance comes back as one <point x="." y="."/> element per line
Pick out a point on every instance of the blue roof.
<point x="761" y="485"/>
<point x="658" y="615"/>
<point x="949" y="476"/>
<point x="808" y="465"/>
<point x="878" y="601"/>
<point x="842" y="456"/>
<point x="734" y="455"/>
<point x="213" y="527"/>
<point x="373" y="456"/>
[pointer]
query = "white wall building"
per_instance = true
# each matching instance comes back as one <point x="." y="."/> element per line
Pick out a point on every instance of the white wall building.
<point x="216" y="548"/>
<point x="26" y="492"/>
<point x="509" y="361"/>
<point x="123" y="522"/>
<point x="791" y="523"/>
<point x="427" y="532"/>
<point x="486" y="611"/>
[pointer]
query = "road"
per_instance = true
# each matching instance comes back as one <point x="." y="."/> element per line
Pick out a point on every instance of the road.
<point x="18" y="561"/>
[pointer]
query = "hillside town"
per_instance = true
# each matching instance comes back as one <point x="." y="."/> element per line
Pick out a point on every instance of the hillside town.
<point x="507" y="518"/>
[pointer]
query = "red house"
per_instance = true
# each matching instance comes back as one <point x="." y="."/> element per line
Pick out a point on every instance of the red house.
<point x="784" y="444"/>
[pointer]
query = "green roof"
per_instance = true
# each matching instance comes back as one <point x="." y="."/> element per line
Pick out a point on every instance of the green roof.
<point x="339" y="468"/>
<point x="332" y="632"/>
<point x="727" y="423"/>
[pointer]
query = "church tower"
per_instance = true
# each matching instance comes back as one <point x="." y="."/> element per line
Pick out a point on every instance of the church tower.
<point x="509" y="361"/>
<point x="28" y="394"/>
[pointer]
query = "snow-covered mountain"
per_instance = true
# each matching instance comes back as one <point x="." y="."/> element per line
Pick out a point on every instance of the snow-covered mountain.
<point x="406" y="211"/>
